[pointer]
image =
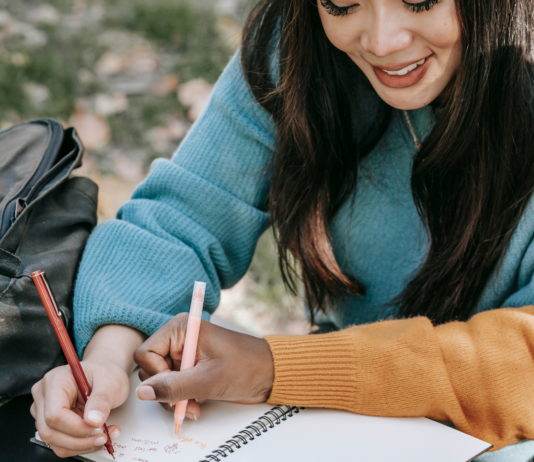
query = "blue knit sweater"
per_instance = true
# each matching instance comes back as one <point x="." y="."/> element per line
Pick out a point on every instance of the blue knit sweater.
<point x="199" y="215"/>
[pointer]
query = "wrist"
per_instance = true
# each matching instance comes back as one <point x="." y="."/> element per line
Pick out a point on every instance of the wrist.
<point x="266" y="373"/>
<point x="114" y="345"/>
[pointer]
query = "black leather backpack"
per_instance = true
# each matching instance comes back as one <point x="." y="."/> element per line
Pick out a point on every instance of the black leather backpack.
<point x="46" y="217"/>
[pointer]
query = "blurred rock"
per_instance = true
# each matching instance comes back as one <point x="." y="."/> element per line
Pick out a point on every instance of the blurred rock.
<point x="166" y="86"/>
<point x="83" y="14"/>
<point x="92" y="128"/>
<point x="110" y="64"/>
<point x="31" y="36"/>
<point x="195" y="94"/>
<point x="44" y="14"/>
<point x="37" y="94"/>
<point x="127" y="168"/>
<point x="158" y="138"/>
<point x="110" y="104"/>
<point x="20" y="59"/>
<point x="163" y="139"/>
<point x="5" y="19"/>
<point x="176" y="128"/>
<point x="227" y="7"/>
<point x="85" y="76"/>
<point x="142" y="60"/>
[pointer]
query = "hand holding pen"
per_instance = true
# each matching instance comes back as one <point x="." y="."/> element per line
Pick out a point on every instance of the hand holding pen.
<point x="59" y="421"/>
<point x="230" y="366"/>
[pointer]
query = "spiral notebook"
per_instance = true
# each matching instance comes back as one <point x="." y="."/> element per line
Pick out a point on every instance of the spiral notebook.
<point x="260" y="432"/>
<point x="245" y="433"/>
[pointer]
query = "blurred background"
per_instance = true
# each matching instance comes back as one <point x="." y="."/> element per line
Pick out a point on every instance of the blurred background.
<point x="132" y="76"/>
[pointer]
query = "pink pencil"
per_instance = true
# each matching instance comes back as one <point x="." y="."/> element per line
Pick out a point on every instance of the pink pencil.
<point x="190" y="345"/>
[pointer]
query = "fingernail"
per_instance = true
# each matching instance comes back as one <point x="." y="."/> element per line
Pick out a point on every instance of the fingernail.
<point x="196" y="400"/>
<point x="115" y="434"/>
<point x="96" y="417"/>
<point x="97" y="431"/>
<point x="100" y="441"/>
<point x="195" y="417"/>
<point x="146" y="392"/>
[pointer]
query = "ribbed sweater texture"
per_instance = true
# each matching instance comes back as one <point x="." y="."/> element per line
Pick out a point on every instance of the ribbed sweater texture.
<point x="199" y="215"/>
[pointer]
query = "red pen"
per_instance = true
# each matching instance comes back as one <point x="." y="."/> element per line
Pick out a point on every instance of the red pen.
<point x="59" y="328"/>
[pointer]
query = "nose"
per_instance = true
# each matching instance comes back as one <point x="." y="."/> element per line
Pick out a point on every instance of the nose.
<point x="385" y="34"/>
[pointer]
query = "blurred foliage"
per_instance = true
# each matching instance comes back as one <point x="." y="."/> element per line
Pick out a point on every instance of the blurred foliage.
<point x="179" y="27"/>
<point x="186" y="37"/>
<point x="267" y="284"/>
<point x="55" y="66"/>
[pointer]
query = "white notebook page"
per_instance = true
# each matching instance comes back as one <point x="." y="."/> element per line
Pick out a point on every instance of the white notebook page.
<point x="148" y="430"/>
<point x="322" y="435"/>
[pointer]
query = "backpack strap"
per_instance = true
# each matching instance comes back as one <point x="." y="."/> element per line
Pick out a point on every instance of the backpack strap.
<point x="9" y="264"/>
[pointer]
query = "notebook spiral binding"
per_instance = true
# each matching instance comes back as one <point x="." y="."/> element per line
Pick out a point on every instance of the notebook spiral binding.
<point x="271" y="418"/>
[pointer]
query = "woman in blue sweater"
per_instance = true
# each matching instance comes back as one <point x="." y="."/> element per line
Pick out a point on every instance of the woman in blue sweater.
<point x="390" y="144"/>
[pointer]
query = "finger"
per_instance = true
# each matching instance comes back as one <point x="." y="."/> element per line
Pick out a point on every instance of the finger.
<point x="143" y="375"/>
<point x="61" y="394"/>
<point x="193" y="410"/>
<point x="107" y="393"/>
<point x="167" y="406"/>
<point x="74" y="450"/>
<point x="171" y="387"/>
<point x="66" y="441"/>
<point x="167" y="341"/>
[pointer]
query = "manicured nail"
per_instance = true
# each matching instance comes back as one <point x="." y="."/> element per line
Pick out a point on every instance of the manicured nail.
<point x="97" y="431"/>
<point x="100" y="441"/>
<point x="146" y="392"/>
<point x="115" y="434"/>
<point x="96" y="417"/>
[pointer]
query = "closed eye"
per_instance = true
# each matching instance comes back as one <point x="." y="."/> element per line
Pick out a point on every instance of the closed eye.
<point x="419" y="7"/>
<point x="335" y="10"/>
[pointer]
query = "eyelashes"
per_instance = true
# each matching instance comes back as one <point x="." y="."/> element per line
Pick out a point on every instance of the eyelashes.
<point x="419" y="7"/>
<point x="334" y="10"/>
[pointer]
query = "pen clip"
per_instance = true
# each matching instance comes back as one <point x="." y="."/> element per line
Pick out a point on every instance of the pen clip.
<point x="51" y="295"/>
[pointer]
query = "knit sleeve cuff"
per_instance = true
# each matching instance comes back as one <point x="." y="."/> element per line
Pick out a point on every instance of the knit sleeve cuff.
<point x="313" y="370"/>
<point x="390" y="368"/>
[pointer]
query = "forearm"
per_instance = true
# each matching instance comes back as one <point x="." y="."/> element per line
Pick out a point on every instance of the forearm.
<point x="476" y="374"/>
<point x="114" y="343"/>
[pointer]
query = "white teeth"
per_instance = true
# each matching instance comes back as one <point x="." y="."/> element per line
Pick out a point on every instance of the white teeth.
<point x="407" y="69"/>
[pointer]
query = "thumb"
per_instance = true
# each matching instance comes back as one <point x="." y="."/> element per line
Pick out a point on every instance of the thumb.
<point x="171" y="387"/>
<point x="98" y="405"/>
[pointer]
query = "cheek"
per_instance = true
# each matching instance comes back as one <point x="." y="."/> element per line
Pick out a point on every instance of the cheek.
<point x="339" y="31"/>
<point x="444" y="32"/>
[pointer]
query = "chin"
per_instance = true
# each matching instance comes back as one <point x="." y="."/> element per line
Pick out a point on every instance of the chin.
<point x="405" y="98"/>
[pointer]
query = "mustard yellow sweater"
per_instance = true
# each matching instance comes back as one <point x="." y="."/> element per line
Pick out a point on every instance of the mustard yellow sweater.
<point x="479" y="374"/>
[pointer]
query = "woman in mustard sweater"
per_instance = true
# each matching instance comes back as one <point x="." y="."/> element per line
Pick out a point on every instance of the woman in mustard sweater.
<point x="390" y="143"/>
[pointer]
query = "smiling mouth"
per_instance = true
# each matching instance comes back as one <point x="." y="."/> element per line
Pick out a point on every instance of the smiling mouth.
<point x="407" y="69"/>
<point x="409" y="75"/>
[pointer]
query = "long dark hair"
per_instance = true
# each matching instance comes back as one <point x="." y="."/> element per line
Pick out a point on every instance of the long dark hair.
<point x="471" y="180"/>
